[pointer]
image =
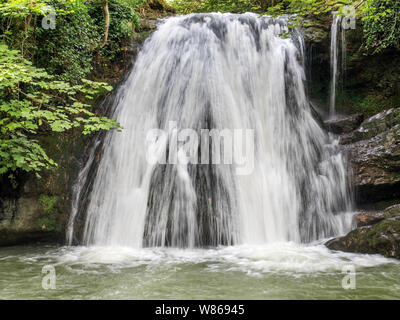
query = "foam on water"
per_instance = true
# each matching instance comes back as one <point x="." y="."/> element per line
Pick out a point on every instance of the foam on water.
<point x="288" y="257"/>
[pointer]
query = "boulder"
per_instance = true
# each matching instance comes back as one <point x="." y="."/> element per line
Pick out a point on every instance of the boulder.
<point x="148" y="25"/>
<point x="375" y="237"/>
<point x="374" y="156"/>
<point x="344" y="124"/>
<point x="374" y="125"/>
<point x="368" y="218"/>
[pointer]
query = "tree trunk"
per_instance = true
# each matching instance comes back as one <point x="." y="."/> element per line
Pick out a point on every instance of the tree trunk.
<point x="107" y="20"/>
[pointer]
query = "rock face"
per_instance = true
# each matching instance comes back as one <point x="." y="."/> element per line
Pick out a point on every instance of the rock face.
<point x="379" y="123"/>
<point x="373" y="151"/>
<point x="344" y="124"/>
<point x="36" y="210"/>
<point x="23" y="221"/>
<point x="379" y="233"/>
<point x="374" y="154"/>
<point x="368" y="218"/>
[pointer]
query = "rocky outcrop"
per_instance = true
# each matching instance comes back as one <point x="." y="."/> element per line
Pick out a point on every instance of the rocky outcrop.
<point x="36" y="210"/>
<point x="373" y="151"/>
<point x="374" y="154"/>
<point x="25" y="221"/>
<point x="379" y="123"/>
<point x="379" y="233"/>
<point x="344" y="124"/>
<point x="368" y="218"/>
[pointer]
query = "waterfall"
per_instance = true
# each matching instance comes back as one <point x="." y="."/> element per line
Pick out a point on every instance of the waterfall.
<point x="334" y="57"/>
<point x="344" y="55"/>
<point x="334" y="63"/>
<point x="224" y="72"/>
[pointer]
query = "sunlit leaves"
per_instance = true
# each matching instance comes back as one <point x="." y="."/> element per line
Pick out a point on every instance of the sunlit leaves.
<point x="33" y="103"/>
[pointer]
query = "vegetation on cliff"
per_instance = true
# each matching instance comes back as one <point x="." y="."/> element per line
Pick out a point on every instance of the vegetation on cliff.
<point x="381" y="25"/>
<point x="47" y="49"/>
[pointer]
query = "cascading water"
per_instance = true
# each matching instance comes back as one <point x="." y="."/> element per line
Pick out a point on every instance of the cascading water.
<point x="334" y="58"/>
<point x="344" y="55"/>
<point x="217" y="71"/>
<point x="334" y="63"/>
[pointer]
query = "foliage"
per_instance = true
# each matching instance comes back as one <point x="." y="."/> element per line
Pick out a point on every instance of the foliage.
<point x="42" y="90"/>
<point x="186" y="6"/>
<point x="49" y="220"/>
<point x="32" y="102"/>
<point x="380" y="18"/>
<point x="381" y="25"/>
<point x="68" y="50"/>
<point x="123" y="20"/>
<point x="70" y="45"/>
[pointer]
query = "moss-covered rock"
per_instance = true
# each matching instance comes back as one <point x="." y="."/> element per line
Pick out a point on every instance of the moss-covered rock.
<point x="27" y="220"/>
<point x="344" y="124"/>
<point x="379" y="123"/>
<point x="368" y="218"/>
<point x="381" y="237"/>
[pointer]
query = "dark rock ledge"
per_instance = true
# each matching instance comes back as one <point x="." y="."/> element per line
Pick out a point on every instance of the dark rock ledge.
<point x="373" y="152"/>
<point x="378" y="233"/>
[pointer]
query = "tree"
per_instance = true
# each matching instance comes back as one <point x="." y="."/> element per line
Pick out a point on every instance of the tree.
<point x="107" y="21"/>
<point x="32" y="103"/>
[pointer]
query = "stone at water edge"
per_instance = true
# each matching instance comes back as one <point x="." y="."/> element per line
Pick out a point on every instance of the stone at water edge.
<point x="368" y="218"/>
<point x="380" y="238"/>
<point x="373" y="126"/>
<point x="376" y="166"/>
<point x="373" y="151"/>
<point x="344" y="124"/>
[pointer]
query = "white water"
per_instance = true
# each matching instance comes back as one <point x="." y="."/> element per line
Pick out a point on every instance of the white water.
<point x="289" y="257"/>
<point x="334" y="63"/>
<point x="272" y="271"/>
<point x="344" y="54"/>
<point x="218" y="71"/>
<point x="337" y="72"/>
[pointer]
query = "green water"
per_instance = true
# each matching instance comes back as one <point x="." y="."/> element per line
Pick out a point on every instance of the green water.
<point x="279" y="271"/>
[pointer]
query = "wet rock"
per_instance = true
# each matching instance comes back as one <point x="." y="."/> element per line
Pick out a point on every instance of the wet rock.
<point x="374" y="155"/>
<point x="382" y="237"/>
<point x="317" y="115"/>
<point x="371" y="127"/>
<point x="376" y="166"/>
<point x="344" y="124"/>
<point x="148" y="24"/>
<point x="317" y="29"/>
<point x="19" y="222"/>
<point x="369" y="218"/>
